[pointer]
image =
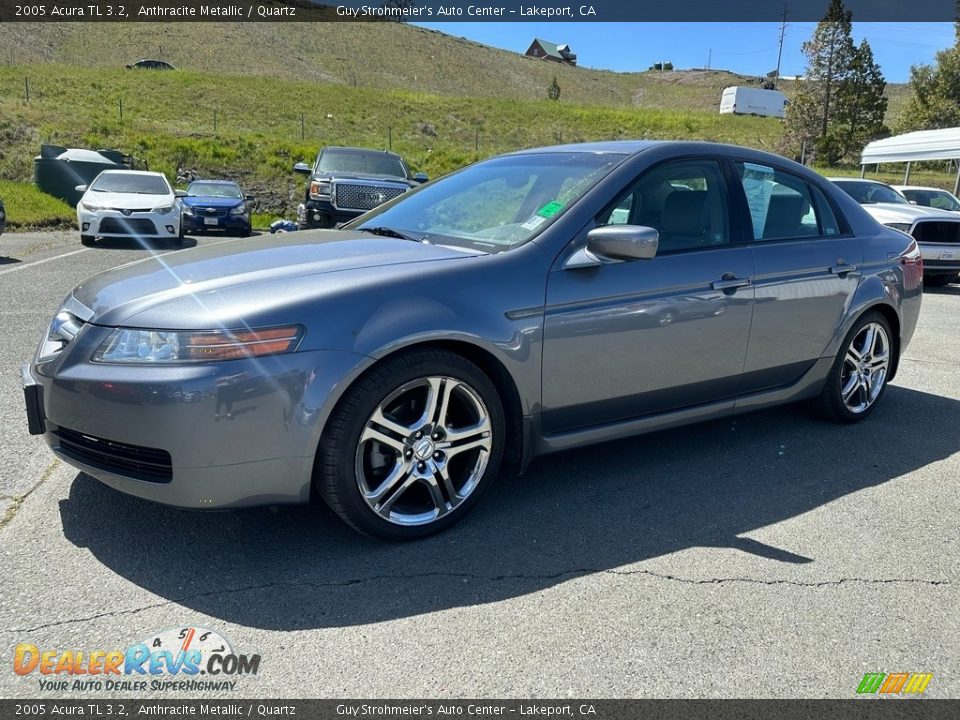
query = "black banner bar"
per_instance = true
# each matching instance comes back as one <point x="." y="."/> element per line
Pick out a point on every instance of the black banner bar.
<point x="854" y="709"/>
<point x="467" y="10"/>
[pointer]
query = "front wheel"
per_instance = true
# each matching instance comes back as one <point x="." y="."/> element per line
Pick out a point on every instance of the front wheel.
<point x="412" y="446"/>
<point x="860" y="372"/>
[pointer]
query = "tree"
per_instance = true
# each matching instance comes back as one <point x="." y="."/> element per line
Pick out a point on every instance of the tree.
<point x="860" y="103"/>
<point x="553" y="92"/>
<point x="829" y="56"/>
<point x="935" y="101"/>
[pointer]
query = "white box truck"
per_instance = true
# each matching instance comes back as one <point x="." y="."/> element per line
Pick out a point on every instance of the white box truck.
<point x="740" y="100"/>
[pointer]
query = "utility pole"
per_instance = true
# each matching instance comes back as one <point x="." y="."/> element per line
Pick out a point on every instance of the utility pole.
<point x="783" y="32"/>
<point x="709" y="57"/>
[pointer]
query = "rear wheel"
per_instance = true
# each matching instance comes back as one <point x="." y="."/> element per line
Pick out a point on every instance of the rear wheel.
<point x="940" y="279"/>
<point x="859" y="374"/>
<point x="412" y="446"/>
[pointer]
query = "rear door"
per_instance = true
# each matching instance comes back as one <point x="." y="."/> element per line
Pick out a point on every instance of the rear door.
<point x="807" y="270"/>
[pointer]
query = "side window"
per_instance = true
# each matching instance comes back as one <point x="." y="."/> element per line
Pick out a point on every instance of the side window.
<point x="685" y="201"/>
<point x="784" y="206"/>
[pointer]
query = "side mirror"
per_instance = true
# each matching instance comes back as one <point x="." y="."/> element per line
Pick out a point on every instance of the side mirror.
<point x="616" y="242"/>
<point x="302" y="167"/>
<point x="420" y="178"/>
<point x="912" y="202"/>
<point x="180" y="193"/>
<point x="81" y="188"/>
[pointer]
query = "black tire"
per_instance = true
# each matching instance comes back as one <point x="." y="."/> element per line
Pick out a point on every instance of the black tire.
<point x="336" y="476"/>
<point x="939" y="279"/>
<point x="830" y="404"/>
<point x="87" y="240"/>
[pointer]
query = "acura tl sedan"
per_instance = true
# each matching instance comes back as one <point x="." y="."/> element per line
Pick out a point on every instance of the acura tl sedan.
<point x="511" y="309"/>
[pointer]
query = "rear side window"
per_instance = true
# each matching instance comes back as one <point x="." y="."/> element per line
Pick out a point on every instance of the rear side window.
<point x="784" y="206"/>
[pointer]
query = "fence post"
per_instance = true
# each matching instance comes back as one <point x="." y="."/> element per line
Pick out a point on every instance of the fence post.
<point x="214" y="120"/>
<point x="121" y="108"/>
<point x="26" y="88"/>
<point x="390" y="138"/>
<point x="301" y="126"/>
<point x="476" y="144"/>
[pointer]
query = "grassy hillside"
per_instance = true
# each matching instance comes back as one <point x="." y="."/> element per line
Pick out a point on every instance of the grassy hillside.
<point x="168" y="122"/>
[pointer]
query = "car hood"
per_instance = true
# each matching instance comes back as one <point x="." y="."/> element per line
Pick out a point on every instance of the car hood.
<point x="126" y="200"/>
<point x="215" y="202"/>
<point x="896" y="213"/>
<point x="253" y="271"/>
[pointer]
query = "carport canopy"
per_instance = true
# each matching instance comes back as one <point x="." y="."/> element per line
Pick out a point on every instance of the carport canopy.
<point x="914" y="147"/>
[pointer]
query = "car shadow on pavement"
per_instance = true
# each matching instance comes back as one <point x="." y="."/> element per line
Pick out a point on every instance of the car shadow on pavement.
<point x="571" y="515"/>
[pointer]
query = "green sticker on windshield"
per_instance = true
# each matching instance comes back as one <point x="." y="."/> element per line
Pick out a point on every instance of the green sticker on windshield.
<point x="550" y="209"/>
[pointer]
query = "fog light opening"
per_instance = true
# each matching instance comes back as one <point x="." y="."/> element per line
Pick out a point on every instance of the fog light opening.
<point x="85" y="226"/>
<point x="170" y="229"/>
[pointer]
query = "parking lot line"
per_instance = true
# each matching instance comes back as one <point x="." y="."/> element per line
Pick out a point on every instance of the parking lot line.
<point x="40" y="262"/>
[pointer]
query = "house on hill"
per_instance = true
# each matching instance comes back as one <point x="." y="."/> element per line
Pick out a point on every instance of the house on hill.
<point x="546" y="50"/>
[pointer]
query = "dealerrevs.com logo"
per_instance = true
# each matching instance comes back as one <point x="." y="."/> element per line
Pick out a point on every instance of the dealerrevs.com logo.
<point x="187" y="659"/>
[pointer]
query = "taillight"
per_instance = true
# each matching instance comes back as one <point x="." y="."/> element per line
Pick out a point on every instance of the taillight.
<point x="912" y="262"/>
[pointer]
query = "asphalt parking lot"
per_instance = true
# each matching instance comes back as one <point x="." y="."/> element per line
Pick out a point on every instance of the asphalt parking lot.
<point x="769" y="555"/>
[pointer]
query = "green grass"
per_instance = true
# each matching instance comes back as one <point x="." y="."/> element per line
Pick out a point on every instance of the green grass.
<point x="168" y="122"/>
<point x="27" y="207"/>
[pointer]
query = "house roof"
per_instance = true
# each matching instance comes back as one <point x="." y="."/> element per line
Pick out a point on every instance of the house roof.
<point x="922" y="145"/>
<point x="553" y="49"/>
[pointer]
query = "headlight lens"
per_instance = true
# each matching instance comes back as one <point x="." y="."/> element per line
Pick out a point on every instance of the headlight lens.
<point x="163" y="209"/>
<point x="163" y="346"/>
<point x="92" y="207"/>
<point x="320" y="189"/>
<point x="902" y="227"/>
<point x="239" y="210"/>
<point x="187" y="210"/>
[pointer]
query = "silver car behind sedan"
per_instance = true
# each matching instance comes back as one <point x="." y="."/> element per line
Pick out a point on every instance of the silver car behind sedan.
<point x="530" y="303"/>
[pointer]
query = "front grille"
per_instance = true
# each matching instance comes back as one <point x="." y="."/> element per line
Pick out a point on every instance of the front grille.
<point x="356" y="196"/>
<point x="141" y="463"/>
<point x="937" y="231"/>
<point x="132" y="226"/>
<point x="203" y="212"/>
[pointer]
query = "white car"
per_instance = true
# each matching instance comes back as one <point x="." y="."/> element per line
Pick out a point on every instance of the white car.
<point x="937" y="232"/>
<point x="930" y="197"/>
<point x="129" y="204"/>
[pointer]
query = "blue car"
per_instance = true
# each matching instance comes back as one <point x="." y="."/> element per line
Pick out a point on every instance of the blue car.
<point x="216" y="205"/>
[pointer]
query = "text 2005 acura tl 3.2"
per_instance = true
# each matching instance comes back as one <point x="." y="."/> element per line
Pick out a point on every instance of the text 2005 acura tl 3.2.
<point x="530" y="303"/>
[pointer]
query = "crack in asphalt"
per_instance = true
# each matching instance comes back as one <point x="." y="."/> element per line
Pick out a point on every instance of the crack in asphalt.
<point x="466" y="577"/>
<point x="18" y="500"/>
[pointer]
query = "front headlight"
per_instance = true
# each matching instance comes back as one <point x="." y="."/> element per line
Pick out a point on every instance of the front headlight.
<point x="239" y="210"/>
<point x="163" y="209"/>
<point x="165" y="346"/>
<point x="187" y="210"/>
<point x="902" y="227"/>
<point x="320" y="189"/>
<point x="92" y="207"/>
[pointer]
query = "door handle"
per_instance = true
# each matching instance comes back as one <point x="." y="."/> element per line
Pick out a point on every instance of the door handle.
<point x="729" y="284"/>
<point x="842" y="269"/>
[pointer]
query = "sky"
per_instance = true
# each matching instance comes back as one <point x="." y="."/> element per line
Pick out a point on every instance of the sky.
<point x="747" y="48"/>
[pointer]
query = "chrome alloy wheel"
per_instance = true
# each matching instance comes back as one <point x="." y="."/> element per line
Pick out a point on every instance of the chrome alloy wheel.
<point x="865" y="368"/>
<point x="423" y="450"/>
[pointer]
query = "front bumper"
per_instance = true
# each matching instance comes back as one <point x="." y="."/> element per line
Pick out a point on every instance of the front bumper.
<point x="237" y="224"/>
<point x="206" y="436"/>
<point x="940" y="257"/>
<point x="322" y="214"/>
<point x="113" y="223"/>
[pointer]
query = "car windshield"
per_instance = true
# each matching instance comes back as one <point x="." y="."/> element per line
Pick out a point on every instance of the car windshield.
<point x="939" y="199"/>
<point x="123" y="182"/>
<point x="868" y="193"/>
<point x="214" y="190"/>
<point x="360" y="163"/>
<point x="494" y="205"/>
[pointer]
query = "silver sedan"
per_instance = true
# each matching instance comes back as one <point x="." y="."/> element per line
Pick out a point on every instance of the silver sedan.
<point x="527" y="304"/>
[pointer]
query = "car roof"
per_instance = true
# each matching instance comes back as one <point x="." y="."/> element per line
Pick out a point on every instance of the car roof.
<point x="360" y="151"/>
<point x="120" y="171"/>
<point x="920" y="187"/>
